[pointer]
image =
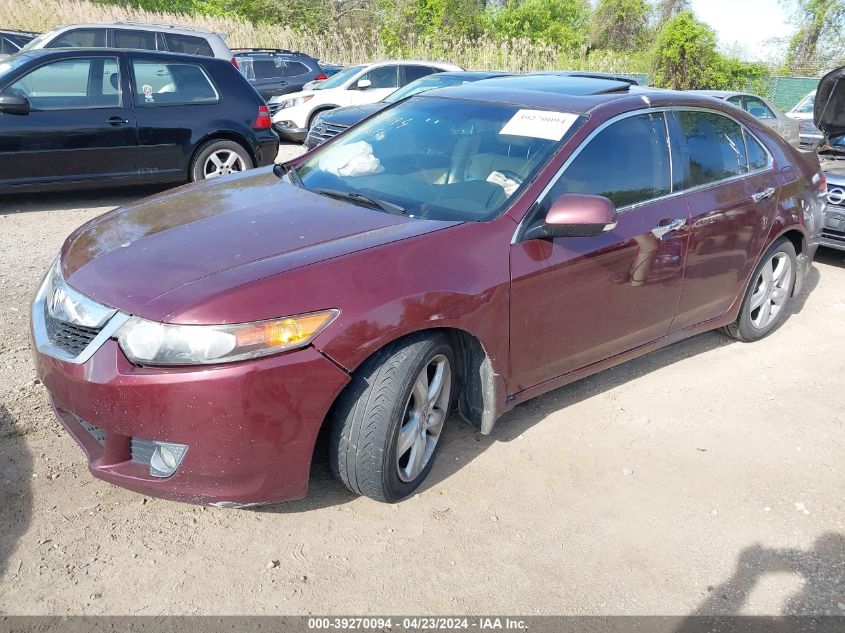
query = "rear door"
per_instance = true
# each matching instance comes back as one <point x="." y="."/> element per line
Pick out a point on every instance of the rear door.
<point x="732" y="194"/>
<point x="80" y="126"/>
<point x="173" y="100"/>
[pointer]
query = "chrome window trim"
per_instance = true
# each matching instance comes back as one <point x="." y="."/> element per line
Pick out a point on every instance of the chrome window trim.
<point x="625" y="115"/>
<point x="42" y="340"/>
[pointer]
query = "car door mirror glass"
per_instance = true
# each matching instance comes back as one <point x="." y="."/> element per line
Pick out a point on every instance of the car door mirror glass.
<point x="363" y="84"/>
<point x="14" y="104"/>
<point x="578" y="215"/>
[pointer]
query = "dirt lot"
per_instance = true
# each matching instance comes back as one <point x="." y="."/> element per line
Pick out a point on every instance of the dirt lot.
<point x="704" y="478"/>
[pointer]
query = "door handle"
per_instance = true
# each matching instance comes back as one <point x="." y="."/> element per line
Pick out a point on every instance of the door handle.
<point x="763" y="195"/>
<point x="667" y="226"/>
<point x="117" y="121"/>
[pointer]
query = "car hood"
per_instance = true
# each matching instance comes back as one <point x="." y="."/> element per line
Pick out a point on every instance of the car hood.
<point x="829" y="108"/>
<point x="160" y="255"/>
<point x="350" y="115"/>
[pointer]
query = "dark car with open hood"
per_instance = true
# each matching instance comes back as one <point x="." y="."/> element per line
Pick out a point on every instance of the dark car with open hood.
<point x="464" y="250"/>
<point x="829" y="117"/>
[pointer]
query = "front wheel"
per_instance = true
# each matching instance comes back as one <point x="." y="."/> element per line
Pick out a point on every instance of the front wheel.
<point x="219" y="158"/>
<point x="387" y="424"/>
<point x="767" y="301"/>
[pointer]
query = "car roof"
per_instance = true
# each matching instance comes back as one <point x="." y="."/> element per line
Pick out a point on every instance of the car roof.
<point x="719" y="94"/>
<point x="78" y="51"/>
<point x="569" y="96"/>
<point x="471" y="74"/>
<point x="558" y="84"/>
<point x="271" y="52"/>
<point x="127" y="24"/>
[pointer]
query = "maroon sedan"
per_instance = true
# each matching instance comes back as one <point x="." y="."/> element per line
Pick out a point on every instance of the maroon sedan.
<point x="466" y="249"/>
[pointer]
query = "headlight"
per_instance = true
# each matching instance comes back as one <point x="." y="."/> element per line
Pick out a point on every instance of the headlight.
<point x="289" y="103"/>
<point x="151" y="343"/>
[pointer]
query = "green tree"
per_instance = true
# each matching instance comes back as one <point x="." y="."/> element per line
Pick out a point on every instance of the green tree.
<point x="554" y="22"/>
<point x="685" y="55"/>
<point x="818" y="20"/>
<point x="619" y="25"/>
<point x="668" y="9"/>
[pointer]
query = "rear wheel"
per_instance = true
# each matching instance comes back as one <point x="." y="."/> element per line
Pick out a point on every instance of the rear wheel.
<point x="767" y="301"/>
<point x="386" y="426"/>
<point x="219" y="158"/>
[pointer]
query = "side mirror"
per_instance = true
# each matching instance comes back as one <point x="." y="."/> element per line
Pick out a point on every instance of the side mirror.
<point x="13" y="104"/>
<point x="363" y="84"/>
<point x="577" y="215"/>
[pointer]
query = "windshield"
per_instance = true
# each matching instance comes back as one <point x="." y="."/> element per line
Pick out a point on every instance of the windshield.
<point x="440" y="159"/>
<point x="340" y="78"/>
<point x="805" y="106"/>
<point x="36" y="43"/>
<point x="8" y="64"/>
<point x="430" y="82"/>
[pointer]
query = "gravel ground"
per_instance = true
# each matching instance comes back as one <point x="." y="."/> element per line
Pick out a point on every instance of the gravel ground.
<point x="703" y="478"/>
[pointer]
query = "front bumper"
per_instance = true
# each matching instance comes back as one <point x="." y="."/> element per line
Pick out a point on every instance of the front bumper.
<point x="250" y="427"/>
<point x="833" y="230"/>
<point x="290" y="133"/>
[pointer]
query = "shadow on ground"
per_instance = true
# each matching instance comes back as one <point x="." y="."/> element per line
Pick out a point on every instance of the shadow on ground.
<point x="822" y="569"/>
<point x="60" y="201"/>
<point x="15" y="491"/>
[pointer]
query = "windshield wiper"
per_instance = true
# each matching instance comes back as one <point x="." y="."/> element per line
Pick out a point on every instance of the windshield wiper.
<point x="280" y="169"/>
<point x="359" y="198"/>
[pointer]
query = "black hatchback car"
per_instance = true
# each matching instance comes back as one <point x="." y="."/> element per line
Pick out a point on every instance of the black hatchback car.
<point x="74" y="118"/>
<point x="275" y="72"/>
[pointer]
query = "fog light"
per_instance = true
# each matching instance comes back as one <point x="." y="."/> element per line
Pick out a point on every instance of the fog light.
<point x="166" y="458"/>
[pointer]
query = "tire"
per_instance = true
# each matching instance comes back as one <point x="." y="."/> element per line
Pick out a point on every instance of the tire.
<point x="231" y="156"/>
<point x="380" y="405"/>
<point x="767" y="299"/>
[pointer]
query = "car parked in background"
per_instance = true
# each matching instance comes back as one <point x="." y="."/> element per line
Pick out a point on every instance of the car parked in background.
<point x="191" y="40"/>
<point x="467" y="248"/>
<point x="762" y="109"/>
<point x="13" y="41"/>
<point x="803" y="113"/>
<point x="274" y="72"/>
<point x="96" y="117"/>
<point x="294" y="114"/>
<point x="329" y="123"/>
<point x="329" y="69"/>
<point x="829" y="119"/>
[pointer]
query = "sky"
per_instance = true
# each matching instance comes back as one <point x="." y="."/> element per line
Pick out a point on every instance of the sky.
<point x="747" y="23"/>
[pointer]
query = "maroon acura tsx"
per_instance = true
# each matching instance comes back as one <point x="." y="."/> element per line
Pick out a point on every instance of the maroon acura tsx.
<point x="465" y="249"/>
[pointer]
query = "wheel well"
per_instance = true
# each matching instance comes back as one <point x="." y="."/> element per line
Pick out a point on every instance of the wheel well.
<point x="797" y="239"/>
<point x="476" y="396"/>
<point x="316" y="112"/>
<point x="222" y="136"/>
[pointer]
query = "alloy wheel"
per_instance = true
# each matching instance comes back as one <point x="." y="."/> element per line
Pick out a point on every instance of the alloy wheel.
<point x="221" y="163"/>
<point x="771" y="290"/>
<point x="423" y="419"/>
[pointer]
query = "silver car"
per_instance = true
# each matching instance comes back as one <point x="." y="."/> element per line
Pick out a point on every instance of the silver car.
<point x="192" y="40"/>
<point x="763" y="109"/>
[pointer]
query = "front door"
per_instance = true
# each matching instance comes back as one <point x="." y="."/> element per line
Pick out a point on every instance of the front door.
<point x="79" y="127"/>
<point x="578" y="300"/>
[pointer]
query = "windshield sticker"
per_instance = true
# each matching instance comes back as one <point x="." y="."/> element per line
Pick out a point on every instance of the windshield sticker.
<point x="539" y="124"/>
<point x="148" y="93"/>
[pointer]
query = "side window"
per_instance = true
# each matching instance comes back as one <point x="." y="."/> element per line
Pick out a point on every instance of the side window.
<point x="81" y="37"/>
<point x="757" y="156"/>
<point x="188" y="44"/>
<point x="268" y="68"/>
<point x="412" y="73"/>
<point x="737" y="101"/>
<point x="627" y="162"/>
<point x="161" y="83"/>
<point x="758" y="109"/>
<point x="70" y="84"/>
<point x="383" y="77"/>
<point x="143" y="40"/>
<point x="292" y="69"/>
<point x="715" y="147"/>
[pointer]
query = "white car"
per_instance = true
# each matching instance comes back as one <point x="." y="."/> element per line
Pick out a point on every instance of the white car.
<point x="294" y="114"/>
<point x="803" y="113"/>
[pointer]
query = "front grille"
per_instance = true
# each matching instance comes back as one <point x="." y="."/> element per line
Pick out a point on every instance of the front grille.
<point x="71" y="338"/>
<point x="323" y="131"/>
<point x="142" y="450"/>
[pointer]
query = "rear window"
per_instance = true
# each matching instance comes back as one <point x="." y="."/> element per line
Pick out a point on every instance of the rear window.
<point x="144" y="40"/>
<point x="160" y="83"/>
<point x="715" y="147"/>
<point x="188" y="44"/>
